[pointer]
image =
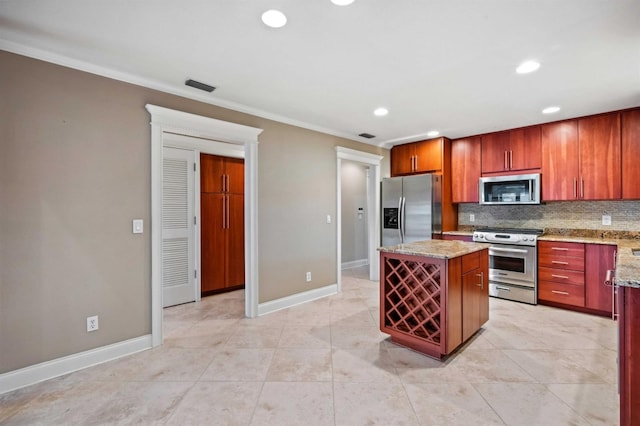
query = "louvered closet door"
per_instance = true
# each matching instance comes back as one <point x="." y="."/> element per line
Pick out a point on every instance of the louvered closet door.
<point x="178" y="236"/>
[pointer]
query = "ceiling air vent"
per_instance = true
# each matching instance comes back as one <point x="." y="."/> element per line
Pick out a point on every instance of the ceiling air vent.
<point x="199" y="85"/>
<point x="367" y="135"/>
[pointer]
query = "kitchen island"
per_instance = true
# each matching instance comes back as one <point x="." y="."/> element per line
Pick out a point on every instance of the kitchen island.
<point x="434" y="294"/>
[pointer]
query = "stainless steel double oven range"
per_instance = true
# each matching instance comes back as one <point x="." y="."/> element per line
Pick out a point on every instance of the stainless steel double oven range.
<point x="513" y="262"/>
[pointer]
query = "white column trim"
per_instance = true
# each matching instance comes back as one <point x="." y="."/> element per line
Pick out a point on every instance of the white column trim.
<point x="168" y="121"/>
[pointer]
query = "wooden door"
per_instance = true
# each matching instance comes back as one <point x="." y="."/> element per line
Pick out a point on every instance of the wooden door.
<point x="234" y="171"/>
<point x="402" y="159"/>
<point x="599" y="259"/>
<point x="211" y="173"/>
<point x="495" y="151"/>
<point x="559" y="146"/>
<point x="235" y="238"/>
<point x="465" y="169"/>
<point x="599" y="140"/>
<point x="631" y="154"/>
<point x="525" y="152"/>
<point x="213" y="245"/>
<point x="428" y="156"/>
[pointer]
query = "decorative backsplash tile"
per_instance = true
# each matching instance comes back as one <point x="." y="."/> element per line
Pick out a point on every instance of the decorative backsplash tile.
<point x="625" y="215"/>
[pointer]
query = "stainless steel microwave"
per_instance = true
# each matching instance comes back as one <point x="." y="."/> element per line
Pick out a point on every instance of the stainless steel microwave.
<point x="516" y="189"/>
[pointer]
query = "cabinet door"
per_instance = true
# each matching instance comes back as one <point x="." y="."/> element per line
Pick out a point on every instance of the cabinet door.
<point x="525" y="152"/>
<point x="599" y="140"/>
<point x="495" y="152"/>
<point x="559" y="169"/>
<point x="234" y="171"/>
<point x="599" y="259"/>
<point x="629" y="348"/>
<point x="211" y="173"/>
<point x="402" y="159"/>
<point x="212" y="241"/>
<point x="235" y="238"/>
<point x="475" y="296"/>
<point x="428" y="156"/>
<point x="465" y="169"/>
<point x="630" y="154"/>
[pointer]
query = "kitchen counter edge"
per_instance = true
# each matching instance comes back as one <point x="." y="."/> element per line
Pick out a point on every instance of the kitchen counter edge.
<point x="438" y="249"/>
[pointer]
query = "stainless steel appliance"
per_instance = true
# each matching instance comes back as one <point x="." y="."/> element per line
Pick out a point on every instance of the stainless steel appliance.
<point x="516" y="189"/>
<point x="513" y="262"/>
<point x="411" y="208"/>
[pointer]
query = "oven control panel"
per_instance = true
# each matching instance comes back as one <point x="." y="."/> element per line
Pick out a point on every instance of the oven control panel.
<point x="505" y="238"/>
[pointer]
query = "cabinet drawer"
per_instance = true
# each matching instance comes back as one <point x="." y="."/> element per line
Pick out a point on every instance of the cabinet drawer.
<point x="561" y="276"/>
<point x="471" y="261"/>
<point x="561" y="262"/>
<point x="556" y="248"/>
<point x="561" y="293"/>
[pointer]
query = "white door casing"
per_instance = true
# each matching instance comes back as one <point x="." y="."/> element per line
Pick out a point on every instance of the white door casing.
<point x="178" y="227"/>
<point x="373" y="208"/>
<point x="165" y="122"/>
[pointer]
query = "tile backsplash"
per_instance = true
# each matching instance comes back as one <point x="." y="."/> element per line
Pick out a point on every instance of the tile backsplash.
<point x="625" y="215"/>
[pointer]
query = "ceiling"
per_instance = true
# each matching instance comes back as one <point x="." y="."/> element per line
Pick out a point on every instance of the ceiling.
<point x="435" y="65"/>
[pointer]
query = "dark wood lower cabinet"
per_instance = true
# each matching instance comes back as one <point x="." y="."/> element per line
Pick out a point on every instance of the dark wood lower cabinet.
<point x="433" y="305"/>
<point x="629" y="355"/>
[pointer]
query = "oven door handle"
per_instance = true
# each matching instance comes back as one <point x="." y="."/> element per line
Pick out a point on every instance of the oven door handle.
<point x="507" y="250"/>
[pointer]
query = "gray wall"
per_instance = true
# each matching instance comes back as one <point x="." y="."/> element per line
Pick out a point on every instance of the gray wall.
<point x="353" y="187"/>
<point x="74" y="172"/>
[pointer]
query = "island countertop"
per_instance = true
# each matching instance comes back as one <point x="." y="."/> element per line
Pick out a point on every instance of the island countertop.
<point x="439" y="249"/>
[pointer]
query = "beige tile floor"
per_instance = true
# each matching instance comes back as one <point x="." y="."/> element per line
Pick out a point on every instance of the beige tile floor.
<point x="326" y="363"/>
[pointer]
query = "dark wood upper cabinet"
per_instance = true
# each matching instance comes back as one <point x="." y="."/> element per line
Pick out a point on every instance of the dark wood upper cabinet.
<point x="581" y="159"/>
<point x="525" y="148"/>
<point x="511" y="150"/>
<point x="465" y="169"/>
<point x="631" y="154"/>
<point x="402" y="159"/>
<point x="429" y="156"/>
<point x="599" y="141"/>
<point x="495" y="152"/>
<point x="560" y="161"/>
<point x="417" y="157"/>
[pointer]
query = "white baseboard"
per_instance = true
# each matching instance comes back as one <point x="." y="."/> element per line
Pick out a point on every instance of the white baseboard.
<point x="296" y="299"/>
<point x="355" y="263"/>
<point x="48" y="370"/>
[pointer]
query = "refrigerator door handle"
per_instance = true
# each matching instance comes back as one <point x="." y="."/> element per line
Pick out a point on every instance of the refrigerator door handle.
<point x="401" y="217"/>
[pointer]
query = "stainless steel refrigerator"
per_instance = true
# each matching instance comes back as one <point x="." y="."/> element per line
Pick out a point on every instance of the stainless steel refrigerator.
<point x="411" y="208"/>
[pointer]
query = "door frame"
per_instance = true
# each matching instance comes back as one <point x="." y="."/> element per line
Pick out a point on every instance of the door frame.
<point x="373" y="208"/>
<point x="210" y="133"/>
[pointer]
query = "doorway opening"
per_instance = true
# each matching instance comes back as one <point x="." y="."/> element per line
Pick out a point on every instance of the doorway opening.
<point x="182" y="130"/>
<point x="371" y="207"/>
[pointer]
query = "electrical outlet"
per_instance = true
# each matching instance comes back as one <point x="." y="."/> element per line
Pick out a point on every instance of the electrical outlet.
<point x="328" y="218"/>
<point x="92" y="323"/>
<point x="472" y="217"/>
<point x="606" y="219"/>
<point x="308" y="277"/>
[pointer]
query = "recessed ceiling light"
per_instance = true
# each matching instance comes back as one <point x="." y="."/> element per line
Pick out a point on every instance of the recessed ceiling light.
<point x="433" y="133"/>
<point x="381" y="111"/>
<point x="550" y="110"/>
<point x="274" y="18"/>
<point x="342" y="2"/>
<point x="527" y="67"/>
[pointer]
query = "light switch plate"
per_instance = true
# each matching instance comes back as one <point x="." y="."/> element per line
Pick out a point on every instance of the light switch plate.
<point x="606" y="219"/>
<point x="328" y="218"/>
<point x="138" y="226"/>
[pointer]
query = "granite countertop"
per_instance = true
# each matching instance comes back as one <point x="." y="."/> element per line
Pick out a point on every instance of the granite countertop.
<point x="439" y="249"/>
